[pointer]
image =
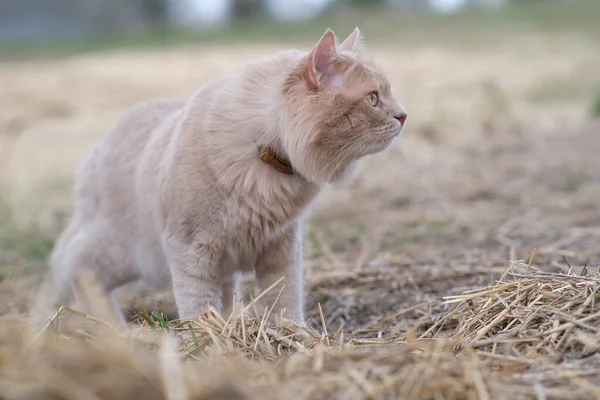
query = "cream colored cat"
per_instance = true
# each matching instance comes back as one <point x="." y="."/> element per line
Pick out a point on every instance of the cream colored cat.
<point x="195" y="191"/>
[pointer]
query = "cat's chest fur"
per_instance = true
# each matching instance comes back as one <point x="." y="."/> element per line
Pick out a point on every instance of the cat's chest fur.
<point x="252" y="222"/>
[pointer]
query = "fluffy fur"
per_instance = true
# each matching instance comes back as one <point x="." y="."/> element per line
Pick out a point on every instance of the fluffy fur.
<point x="177" y="193"/>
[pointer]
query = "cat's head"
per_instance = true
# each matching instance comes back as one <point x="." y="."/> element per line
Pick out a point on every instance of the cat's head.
<point x="340" y="108"/>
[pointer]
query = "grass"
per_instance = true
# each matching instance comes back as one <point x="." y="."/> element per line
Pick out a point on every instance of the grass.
<point x="156" y="320"/>
<point x="380" y="24"/>
<point x="22" y="250"/>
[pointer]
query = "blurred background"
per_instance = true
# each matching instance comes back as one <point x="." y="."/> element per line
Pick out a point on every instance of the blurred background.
<point x="499" y="155"/>
<point x="38" y="20"/>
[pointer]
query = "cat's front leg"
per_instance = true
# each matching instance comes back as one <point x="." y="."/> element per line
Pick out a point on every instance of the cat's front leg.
<point x="196" y="277"/>
<point x="283" y="258"/>
<point x="231" y="293"/>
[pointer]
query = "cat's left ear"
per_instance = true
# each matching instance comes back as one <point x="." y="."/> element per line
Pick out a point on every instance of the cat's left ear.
<point x="320" y="58"/>
<point x="353" y="42"/>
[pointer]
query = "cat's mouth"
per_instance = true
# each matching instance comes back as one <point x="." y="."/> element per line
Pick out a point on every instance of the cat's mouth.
<point x="396" y="132"/>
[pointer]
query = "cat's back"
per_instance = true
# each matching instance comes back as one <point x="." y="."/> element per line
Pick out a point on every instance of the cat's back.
<point x="134" y="129"/>
<point x="105" y="181"/>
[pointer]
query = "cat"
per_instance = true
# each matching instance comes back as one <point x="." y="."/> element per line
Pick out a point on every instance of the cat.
<point x="193" y="192"/>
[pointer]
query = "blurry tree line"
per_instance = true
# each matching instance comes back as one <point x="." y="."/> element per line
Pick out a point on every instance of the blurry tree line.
<point x="35" y="19"/>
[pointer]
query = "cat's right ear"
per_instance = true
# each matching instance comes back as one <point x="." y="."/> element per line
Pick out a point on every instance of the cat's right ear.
<point x="320" y="58"/>
<point x="353" y="42"/>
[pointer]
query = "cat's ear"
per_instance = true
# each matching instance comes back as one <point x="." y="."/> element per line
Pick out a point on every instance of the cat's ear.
<point x="353" y="42"/>
<point x="320" y="58"/>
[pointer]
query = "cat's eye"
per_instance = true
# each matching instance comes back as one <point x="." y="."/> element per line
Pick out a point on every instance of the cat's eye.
<point x="373" y="99"/>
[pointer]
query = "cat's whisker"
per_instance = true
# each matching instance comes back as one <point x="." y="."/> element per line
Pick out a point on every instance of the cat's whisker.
<point x="342" y="151"/>
<point x="345" y="152"/>
<point x="342" y="156"/>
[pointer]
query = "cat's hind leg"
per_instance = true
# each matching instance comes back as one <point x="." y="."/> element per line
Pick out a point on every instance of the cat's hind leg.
<point x="132" y="288"/>
<point x="93" y="261"/>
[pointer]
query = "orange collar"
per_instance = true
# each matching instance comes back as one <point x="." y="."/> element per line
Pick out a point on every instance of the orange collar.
<point x="268" y="156"/>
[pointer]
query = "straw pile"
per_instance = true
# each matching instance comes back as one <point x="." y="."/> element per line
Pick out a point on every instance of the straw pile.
<point x="530" y="334"/>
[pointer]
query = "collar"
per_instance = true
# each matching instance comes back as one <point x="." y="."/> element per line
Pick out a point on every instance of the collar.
<point x="268" y="156"/>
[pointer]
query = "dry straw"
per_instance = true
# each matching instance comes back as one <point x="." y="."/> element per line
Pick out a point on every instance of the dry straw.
<point x="531" y="334"/>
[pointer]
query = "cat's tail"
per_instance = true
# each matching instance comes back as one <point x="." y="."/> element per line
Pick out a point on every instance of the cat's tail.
<point x="60" y="273"/>
<point x="55" y="289"/>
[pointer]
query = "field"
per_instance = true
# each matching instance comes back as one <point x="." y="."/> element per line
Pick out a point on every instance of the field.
<point x="462" y="264"/>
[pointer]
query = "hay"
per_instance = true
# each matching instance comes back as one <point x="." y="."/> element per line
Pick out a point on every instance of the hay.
<point x="531" y="334"/>
<point x="548" y="315"/>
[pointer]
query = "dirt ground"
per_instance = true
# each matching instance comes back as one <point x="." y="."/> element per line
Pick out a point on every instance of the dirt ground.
<point x="499" y="158"/>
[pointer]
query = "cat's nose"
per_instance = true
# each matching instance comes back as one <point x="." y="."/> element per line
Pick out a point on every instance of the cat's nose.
<point x="401" y="116"/>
